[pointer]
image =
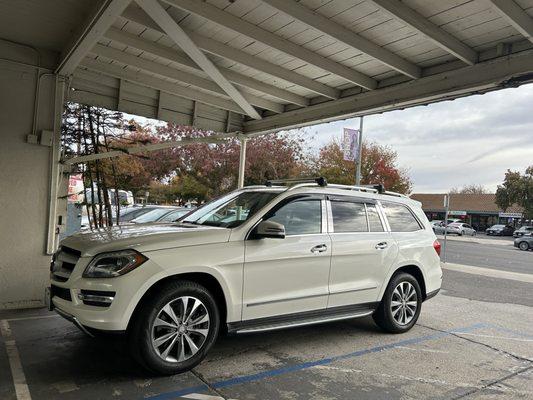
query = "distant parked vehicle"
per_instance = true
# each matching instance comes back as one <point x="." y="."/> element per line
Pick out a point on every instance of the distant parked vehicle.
<point x="524" y="242"/>
<point x="461" y="229"/>
<point x="161" y="214"/>
<point x="438" y="226"/>
<point x="500" y="230"/>
<point x="523" y="231"/>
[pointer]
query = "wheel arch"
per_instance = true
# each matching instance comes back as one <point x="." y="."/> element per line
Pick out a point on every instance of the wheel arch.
<point x="209" y="281"/>
<point x="413" y="270"/>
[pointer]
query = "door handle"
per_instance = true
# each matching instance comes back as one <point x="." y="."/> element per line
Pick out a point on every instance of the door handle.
<point x="319" y="248"/>
<point x="381" y="245"/>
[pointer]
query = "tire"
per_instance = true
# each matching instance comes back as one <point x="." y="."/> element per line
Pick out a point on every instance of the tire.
<point x="523" y="246"/>
<point x="174" y="297"/>
<point x="383" y="316"/>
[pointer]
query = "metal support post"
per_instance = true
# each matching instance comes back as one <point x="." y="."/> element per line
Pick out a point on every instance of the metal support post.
<point x="242" y="161"/>
<point x="359" y="158"/>
<point x="55" y="167"/>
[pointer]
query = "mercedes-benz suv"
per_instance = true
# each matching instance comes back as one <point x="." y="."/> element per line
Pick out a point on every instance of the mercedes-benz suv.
<point x="256" y="259"/>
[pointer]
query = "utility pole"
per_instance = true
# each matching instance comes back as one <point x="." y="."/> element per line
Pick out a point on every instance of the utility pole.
<point x="360" y="149"/>
<point x="447" y="208"/>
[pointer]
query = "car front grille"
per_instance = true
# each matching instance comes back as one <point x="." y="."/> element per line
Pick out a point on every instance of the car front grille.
<point x="63" y="263"/>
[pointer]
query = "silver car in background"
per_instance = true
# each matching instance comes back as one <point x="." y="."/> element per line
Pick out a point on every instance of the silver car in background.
<point x="461" y="229"/>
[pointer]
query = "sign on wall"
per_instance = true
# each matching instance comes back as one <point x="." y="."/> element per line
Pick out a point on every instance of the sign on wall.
<point x="509" y="215"/>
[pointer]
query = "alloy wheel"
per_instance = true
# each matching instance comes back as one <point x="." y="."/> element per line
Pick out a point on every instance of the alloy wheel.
<point x="523" y="246"/>
<point x="404" y="303"/>
<point x="180" y="329"/>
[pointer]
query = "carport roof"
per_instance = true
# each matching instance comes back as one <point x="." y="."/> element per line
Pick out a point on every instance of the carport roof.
<point x="256" y="66"/>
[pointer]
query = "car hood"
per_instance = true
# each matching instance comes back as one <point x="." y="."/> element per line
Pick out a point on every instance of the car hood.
<point x="144" y="237"/>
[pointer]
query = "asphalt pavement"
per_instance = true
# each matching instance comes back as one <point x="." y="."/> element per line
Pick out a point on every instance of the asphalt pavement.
<point x="476" y="252"/>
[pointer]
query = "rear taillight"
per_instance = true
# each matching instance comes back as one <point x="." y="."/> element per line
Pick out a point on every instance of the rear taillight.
<point x="436" y="246"/>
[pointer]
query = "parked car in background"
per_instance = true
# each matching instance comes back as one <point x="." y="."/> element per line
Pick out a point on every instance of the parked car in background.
<point x="524" y="242"/>
<point x="439" y="226"/>
<point x="523" y="231"/>
<point x="500" y="230"/>
<point x="126" y="215"/>
<point x="460" y="228"/>
<point x="162" y="214"/>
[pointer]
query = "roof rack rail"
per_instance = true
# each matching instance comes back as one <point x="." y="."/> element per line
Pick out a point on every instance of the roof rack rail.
<point x="320" y="181"/>
<point x="295" y="183"/>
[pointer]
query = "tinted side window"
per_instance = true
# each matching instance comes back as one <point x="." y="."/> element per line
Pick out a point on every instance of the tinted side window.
<point x="300" y="217"/>
<point x="373" y="218"/>
<point x="348" y="216"/>
<point x="400" y="218"/>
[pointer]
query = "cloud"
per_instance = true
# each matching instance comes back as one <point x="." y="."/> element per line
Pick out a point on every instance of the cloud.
<point x="473" y="140"/>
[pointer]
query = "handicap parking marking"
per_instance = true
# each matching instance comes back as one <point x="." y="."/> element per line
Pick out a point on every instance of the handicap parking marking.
<point x="310" y="364"/>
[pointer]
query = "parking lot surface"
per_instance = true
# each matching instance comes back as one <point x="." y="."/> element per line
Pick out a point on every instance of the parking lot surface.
<point x="474" y="341"/>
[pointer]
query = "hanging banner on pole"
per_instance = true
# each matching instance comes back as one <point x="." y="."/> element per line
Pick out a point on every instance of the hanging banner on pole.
<point x="350" y="144"/>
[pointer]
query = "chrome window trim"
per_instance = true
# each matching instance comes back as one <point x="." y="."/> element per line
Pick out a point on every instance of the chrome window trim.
<point x="383" y="217"/>
<point x="380" y="216"/>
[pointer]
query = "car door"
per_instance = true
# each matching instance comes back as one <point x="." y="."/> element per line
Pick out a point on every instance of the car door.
<point x="290" y="275"/>
<point x="362" y="251"/>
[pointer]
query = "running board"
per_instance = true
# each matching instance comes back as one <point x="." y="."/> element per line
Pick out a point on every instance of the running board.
<point x="302" y="319"/>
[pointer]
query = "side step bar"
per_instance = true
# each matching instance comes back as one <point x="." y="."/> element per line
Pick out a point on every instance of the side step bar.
<point x="302" y="319"/>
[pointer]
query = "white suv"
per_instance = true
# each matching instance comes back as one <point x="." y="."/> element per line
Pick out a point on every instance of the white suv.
<point x="260" y="258"/>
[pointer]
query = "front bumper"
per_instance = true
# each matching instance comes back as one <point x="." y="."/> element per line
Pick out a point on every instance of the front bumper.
<point x="116" y="298"/>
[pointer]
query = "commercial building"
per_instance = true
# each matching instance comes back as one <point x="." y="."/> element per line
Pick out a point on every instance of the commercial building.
<point x="478" y="210"/>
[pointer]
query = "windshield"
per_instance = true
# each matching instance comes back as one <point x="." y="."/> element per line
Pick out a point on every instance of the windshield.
<point x="497" y="226"/>
<point x="230" y="210"/>
<point x="152" y="216"/>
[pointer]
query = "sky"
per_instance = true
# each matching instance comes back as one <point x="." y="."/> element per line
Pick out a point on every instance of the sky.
<point x="473" y="140"/>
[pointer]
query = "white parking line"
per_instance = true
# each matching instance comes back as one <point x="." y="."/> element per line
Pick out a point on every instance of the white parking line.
<point x="495" y="337"/>
<point x="199" y="396"/>
<point x="493" y="273"/>
<point x="426" y="350"/>
<point x="17" y="373"/>
<point x="32" y="317"/>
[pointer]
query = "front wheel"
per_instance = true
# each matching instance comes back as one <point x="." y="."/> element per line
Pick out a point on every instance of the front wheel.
<point x="400" y="307"/>
<point x="523" y="246"/>
<point x="175" y="328"/>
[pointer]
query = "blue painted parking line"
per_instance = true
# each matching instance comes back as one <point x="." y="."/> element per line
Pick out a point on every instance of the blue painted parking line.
<point x="302" y="366"/>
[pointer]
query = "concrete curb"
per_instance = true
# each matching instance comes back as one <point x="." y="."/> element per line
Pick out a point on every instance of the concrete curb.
<point x="476" y="239"/>
<point x="493" y="273"/>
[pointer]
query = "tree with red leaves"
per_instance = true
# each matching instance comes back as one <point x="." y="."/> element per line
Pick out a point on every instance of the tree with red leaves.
<point x="379" y="165"/>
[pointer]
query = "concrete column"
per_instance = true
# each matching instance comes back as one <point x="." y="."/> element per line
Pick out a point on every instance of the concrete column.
<point x="28" y="115"/>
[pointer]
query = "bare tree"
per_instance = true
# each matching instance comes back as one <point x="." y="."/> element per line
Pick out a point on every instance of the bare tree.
<point x="469" y="189"/>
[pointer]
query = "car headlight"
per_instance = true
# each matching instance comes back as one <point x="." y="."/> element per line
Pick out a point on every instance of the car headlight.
<point x="113" y="264"/>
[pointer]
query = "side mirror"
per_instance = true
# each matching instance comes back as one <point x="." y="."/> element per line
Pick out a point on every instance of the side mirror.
<point x="270" y="229"/>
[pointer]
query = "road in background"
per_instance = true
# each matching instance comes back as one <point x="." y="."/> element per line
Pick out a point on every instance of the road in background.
<point x="503" y="256"/>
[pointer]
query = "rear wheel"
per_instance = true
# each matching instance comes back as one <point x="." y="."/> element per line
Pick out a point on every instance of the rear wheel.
<point x="523" y="246"/>
<point x="400" y="307"/>
<point x="173" y="330"/>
